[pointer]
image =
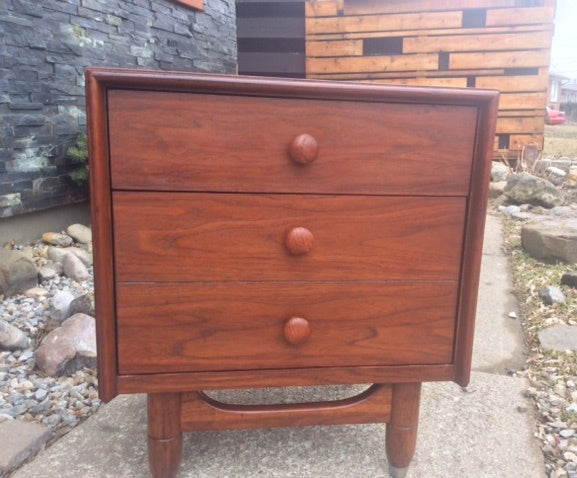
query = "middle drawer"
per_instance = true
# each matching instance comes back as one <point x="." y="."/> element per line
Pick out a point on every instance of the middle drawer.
<point x="184" y="237"/>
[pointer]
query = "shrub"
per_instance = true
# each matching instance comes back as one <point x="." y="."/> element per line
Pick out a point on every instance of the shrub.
<point x="79" y="155"/>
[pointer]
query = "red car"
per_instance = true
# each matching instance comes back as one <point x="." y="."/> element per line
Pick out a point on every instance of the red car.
<point x="554" y="116"/>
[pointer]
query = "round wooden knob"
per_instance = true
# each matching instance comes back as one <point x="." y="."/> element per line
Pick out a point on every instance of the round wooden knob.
<point x="304" y="149"/>
<point x="297" y="330"/>
<point x="299" y="241"/>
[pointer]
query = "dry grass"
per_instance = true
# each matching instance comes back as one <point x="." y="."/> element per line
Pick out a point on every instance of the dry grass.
<point x="560" y="141"/>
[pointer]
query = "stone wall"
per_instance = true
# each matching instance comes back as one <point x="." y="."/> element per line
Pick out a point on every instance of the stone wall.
<point x="45" y="46"/>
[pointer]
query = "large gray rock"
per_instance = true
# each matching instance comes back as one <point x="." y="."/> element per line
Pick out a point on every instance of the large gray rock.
<point x="12" y="338"/>
<point x="559" y="337"/>
<point x="80" y="233"/>
<point x="17" y="272"/>
<point x="69" y="347"/>
<point x="551" y="240"/>
<point x="526" y="188"/>
<point x="74" y="268"/>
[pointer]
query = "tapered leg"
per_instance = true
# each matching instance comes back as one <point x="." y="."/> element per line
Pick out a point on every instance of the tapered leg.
<point x="402" y="428"/>
<point x="164" y="434"/>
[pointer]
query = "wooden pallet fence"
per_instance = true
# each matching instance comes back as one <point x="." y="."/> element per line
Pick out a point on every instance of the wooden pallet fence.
<point x="498" y="44"/>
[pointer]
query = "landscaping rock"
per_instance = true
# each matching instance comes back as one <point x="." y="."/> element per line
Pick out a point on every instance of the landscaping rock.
<point x="74" y="268"/>
<point x="82" y="254"/>
<point x="69" y="347"/>
<point x="559" y="337"/>
<point x="57" y="239"/>
<point x="36" y="293"/>
<point x="556" y="176"/>
<point x="12" y="338"/>
<point x="80" y="233"/>
<point x="17" y="272"/>
<point x="569" y="279"/>
<point x="61" y="301"/>
<point x="562" y="163"/>
<point x="526" y="188"/>
<point x="26" y="439"/>
<point x="561" y="211"/>
<point x="50" y="271"/>
<point x="83" y="305"/>
<point x="552" y="295"/>
<point x="56" y="254"/>
<point x="496" y="189"/>
<point x="499" y="172"/>
<point x="509" y="210"/>
<point x="551" y="240"/>
<point x="571" y="180"/>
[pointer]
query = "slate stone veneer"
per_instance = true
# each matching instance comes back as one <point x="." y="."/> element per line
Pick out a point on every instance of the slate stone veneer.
<point x="44" y="47"/>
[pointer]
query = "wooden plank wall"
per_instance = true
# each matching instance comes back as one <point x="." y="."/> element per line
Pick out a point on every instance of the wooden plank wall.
<point x="501" y="44"/>
<point x="271" y="37"/>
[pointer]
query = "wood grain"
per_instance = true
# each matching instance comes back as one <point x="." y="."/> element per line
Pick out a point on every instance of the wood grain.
<point x="366" y="64"/>
<point x="371" y="23"/>
<point x="199" y="412"/>
<point x="520" y="16"/>
<point x="193" y="142"/>
<point x="238" y="326"/>
<point x="401" y="436"/>
<point x="507" y="59"/>
<point x="371" y="7"/>
<point x="216" y="237"/>
<point x="225" y="265"/>
<point x="101" y="215"/>
<point x="180" y="381"/>
<point x="164" y="434"/>
<point x="472" y="43"/>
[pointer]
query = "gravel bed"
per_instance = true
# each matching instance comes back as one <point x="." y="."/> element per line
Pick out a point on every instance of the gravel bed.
<point x="552" y="374"/>
<point x="25" y="392"/>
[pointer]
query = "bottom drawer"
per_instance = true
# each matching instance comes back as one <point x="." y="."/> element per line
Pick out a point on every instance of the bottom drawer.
<point x="192" y="327"/>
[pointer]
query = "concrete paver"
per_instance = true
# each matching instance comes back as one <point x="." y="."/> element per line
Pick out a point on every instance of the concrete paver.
<point x="20" y="440"/>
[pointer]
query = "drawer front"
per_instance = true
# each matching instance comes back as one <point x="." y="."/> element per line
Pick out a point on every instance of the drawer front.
<point x="240" y="326"/>
<point x="182" y="237"/>
<point x="196" y="142"/>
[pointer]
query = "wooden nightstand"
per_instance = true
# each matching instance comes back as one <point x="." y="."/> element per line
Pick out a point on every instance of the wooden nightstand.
<point x="263" y="232"/>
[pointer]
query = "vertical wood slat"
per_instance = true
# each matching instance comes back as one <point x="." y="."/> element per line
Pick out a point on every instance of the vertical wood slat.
<point x="497" y="44"/>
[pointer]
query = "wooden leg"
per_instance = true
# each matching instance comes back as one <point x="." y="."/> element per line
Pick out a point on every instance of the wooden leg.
<point x="164" y="434"/>
<point x="402" y="428"/>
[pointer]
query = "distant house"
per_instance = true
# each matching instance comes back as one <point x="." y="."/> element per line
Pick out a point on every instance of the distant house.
<point x="569" y="92"/>
<point x="556" y="83"/>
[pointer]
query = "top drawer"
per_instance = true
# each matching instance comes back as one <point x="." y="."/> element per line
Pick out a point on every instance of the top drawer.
<point x="202" y="142"/>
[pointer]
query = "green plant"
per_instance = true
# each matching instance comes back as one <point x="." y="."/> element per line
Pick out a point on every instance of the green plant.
<point x="79" y="155"/>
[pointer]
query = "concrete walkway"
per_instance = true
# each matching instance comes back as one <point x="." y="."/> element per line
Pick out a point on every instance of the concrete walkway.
<point x="485" y="431"/>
